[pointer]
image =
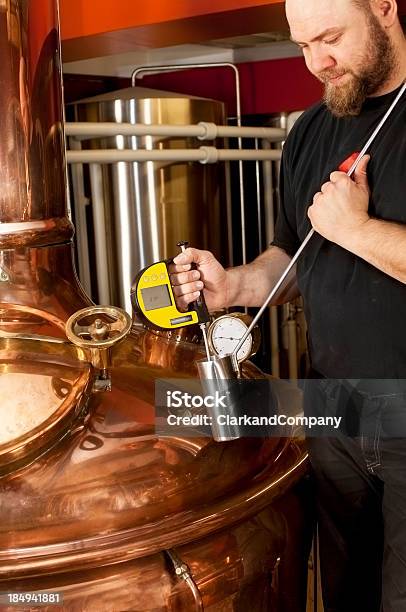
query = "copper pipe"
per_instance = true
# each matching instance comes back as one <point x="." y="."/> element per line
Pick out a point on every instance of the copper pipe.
<point x="35" y="232"/>
<point x="33" y="207"/>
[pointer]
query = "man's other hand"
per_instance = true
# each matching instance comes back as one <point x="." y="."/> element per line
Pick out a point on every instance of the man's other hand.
<point x="340" y="209"/>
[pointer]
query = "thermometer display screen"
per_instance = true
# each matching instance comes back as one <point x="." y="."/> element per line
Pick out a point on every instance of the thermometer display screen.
<point x="156" y="297"/>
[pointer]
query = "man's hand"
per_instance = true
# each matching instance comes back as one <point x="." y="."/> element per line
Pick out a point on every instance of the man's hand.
<point x="340" y="209"/>
<point x="188" y="283"/>
<point x="246" y="285"/>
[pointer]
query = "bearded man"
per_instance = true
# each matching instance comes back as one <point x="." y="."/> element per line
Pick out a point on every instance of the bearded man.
<point x="352" y="277"/>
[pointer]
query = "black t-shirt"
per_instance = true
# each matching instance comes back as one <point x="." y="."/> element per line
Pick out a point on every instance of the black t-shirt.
<point x="356" y="314"/>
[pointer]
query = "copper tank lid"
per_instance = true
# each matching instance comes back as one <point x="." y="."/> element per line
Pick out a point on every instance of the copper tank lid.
<point x="43" y="386"/>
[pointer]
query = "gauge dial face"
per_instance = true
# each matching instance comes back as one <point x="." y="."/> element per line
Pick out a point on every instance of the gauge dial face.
<point x="226" y="333"/>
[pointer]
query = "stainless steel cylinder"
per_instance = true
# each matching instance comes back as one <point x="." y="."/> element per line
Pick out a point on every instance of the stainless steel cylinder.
<point x="218" y="379"/>
<point x="141" y="210"/>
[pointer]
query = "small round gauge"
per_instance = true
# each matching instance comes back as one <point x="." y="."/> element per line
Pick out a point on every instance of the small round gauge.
<point x="226" y="332"/>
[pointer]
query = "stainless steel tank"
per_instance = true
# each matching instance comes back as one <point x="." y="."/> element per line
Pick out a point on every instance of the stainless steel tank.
<point x="141" y="210"/>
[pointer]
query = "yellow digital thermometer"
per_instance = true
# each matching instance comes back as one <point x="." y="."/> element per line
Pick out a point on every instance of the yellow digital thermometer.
<point x="153" y="299"/>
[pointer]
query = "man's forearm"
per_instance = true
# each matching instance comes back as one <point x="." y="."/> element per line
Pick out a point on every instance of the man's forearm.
<point x="382" y="244"/>
<point x="249" y="285"/>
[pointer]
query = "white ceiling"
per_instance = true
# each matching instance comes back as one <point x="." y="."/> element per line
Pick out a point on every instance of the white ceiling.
<point x="236" y="50"/>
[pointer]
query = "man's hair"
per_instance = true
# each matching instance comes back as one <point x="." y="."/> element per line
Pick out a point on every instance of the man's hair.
<point x="363" y="5"/>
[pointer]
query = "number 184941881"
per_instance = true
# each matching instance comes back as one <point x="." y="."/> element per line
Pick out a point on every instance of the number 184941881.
<point x="37" y="598"/>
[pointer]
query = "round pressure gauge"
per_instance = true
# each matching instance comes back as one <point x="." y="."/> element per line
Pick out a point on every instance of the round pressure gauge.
<point x="226" y="332"/>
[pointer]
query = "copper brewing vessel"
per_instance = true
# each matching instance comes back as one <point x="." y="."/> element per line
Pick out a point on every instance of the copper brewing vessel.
<point x="93" y="504"/>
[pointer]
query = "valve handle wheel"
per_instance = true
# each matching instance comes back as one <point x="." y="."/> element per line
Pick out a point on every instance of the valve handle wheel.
<point x="98" y="334"/>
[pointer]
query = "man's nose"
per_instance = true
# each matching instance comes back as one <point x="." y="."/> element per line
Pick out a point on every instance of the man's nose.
<point x="321" y="60"/>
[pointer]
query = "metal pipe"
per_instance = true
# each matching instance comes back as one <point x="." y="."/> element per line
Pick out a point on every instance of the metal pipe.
<point x="35" y="226"/>
<point x="312" y="231"/>
<point x="205" y="155"/>
<point x="33" y="203"/>
<point x="268" y="197"/>
<point x="292" y="348"/>
<point x="183" y="572"/>
<point x="259" y="200"/>
<point x="233" y="67"/>
<point x="82" y="202"/>
<point x="202" y="130"/>
<point x="229" y="211"/>
<point x="275" y="365"/>
<point x="302" y="339"/>
<point x="269" y="205"/>
<point x="101" y="242"/>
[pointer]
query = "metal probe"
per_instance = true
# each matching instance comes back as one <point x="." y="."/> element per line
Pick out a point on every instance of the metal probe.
<point x="312" y="231"/>
<point x="200" y="306"/>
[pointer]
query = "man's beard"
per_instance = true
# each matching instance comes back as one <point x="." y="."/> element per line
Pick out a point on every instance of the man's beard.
<point x="378" y="62"/>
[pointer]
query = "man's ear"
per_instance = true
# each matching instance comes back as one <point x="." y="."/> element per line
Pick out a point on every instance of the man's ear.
<point x="386" y="11"/>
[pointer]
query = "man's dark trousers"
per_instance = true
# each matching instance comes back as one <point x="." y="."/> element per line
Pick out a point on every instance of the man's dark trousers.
<point x="360" y="481"/>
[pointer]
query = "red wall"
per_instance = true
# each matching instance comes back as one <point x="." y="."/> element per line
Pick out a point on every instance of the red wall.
<point x="270" y="86"/>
